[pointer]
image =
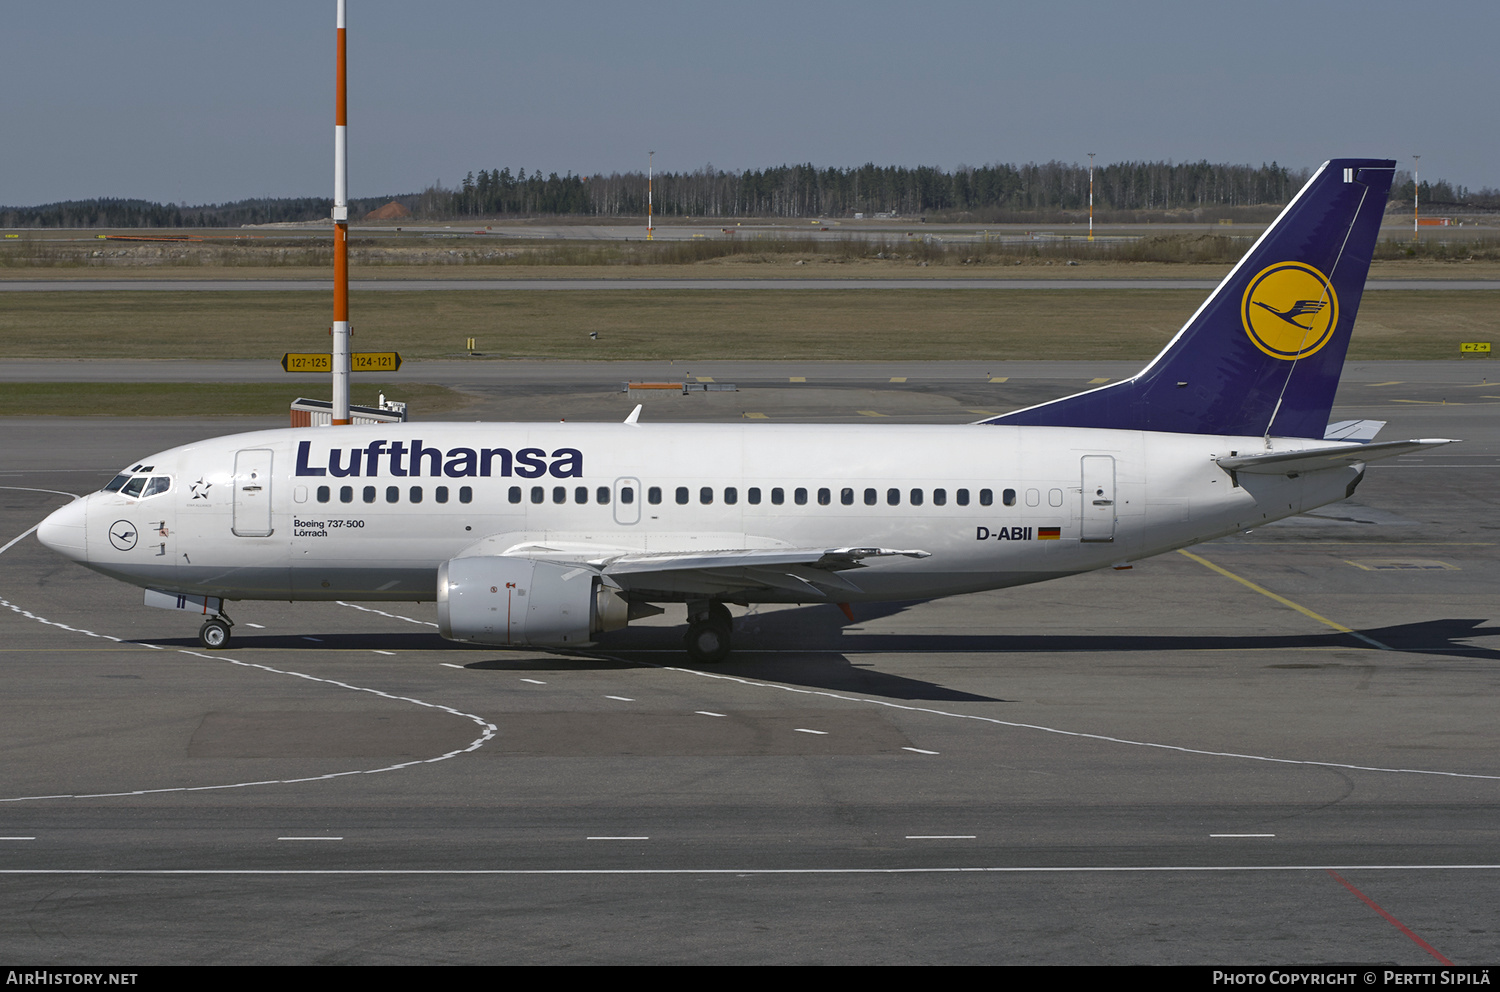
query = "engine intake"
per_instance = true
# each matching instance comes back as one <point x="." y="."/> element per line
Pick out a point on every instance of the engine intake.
<point x="520" y="602"/>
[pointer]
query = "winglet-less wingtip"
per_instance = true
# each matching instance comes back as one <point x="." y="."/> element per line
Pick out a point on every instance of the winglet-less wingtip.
<point x="635" y="415"/>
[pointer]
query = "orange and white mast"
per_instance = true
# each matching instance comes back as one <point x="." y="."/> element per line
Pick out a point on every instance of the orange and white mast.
<point x="340" y="236"/>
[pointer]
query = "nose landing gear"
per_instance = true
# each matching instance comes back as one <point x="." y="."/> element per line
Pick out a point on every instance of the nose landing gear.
<point x="214" y="634"/>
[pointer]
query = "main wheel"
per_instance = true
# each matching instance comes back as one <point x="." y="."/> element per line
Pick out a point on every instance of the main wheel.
<point x="214" y="634"/>
<point x="707" y="643"/>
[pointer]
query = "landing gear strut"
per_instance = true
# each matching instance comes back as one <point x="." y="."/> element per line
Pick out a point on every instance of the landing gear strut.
<point x="708" y="634"/>
<point x="214" y="633"/>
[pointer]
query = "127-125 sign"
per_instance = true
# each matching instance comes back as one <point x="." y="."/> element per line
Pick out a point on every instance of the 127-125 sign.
<point x="359" y="361"/>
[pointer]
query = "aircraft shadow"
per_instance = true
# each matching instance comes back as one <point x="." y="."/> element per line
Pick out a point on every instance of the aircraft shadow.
<point x="810" y="647"/>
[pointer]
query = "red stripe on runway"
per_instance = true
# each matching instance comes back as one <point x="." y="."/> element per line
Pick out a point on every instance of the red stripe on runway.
<point x="1390" y="919"/>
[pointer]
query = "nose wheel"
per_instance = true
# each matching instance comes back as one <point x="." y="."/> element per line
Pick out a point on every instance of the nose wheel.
<point x="214" y="633"/>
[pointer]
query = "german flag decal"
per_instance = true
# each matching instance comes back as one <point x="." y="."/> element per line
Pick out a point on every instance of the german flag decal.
<point x="1049" y="533"/>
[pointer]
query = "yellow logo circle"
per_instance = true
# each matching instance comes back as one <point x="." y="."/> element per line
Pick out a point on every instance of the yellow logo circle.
<point x="1290" y="310"/>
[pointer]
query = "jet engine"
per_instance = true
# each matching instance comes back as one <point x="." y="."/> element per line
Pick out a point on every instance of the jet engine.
<point x="519" y="602"/>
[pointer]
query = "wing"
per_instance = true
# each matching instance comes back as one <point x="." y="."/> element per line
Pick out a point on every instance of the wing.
<point x="813" y="572"/>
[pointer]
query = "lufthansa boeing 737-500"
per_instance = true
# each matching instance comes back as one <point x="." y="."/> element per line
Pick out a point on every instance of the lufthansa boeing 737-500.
<point x="552" y="534"/>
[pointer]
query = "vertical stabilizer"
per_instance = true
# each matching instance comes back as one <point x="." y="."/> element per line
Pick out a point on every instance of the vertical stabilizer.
<point x="1264" y="353"/>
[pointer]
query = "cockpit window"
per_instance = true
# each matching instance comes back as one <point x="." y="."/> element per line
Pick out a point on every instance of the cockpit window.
<point x="134" y="486"/>
<point x="117" y="482"/>
<point x="158" y="484"/>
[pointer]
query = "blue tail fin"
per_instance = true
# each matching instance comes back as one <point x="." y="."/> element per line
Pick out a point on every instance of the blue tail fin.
<point x="1264" y="353"/>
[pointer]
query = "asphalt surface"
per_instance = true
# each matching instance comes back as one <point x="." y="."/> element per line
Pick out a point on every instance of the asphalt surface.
<point x="1165" y="765"/>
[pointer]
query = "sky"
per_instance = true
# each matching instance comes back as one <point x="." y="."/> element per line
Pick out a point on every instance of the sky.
<point x="209" y="102"/>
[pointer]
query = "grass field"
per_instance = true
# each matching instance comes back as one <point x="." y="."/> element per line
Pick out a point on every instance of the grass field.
<point x="689" y="324"/>
<point x="136" y="399"/>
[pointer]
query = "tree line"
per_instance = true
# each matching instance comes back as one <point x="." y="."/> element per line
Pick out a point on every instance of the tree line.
<point x="789" y="191"/>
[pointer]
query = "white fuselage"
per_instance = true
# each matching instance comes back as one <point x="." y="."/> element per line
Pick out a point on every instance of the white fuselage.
<point x="353" y="513"/>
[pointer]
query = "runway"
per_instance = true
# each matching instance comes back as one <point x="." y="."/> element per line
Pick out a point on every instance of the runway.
<point x="1192" y="761"/>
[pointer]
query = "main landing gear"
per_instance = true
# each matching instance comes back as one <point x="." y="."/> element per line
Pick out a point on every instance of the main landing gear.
<point x="214" y="633"/>
<point x="708" y="633"/>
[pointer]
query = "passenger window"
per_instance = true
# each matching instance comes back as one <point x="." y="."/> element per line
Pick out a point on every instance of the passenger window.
<point x="916" y="497"/>
<point x="986" y="497"/>
<point x="893" y="497"/>
<point x="559" y="494"/>
<point x="731" y="495"/>
<point x="414" y="494"/>
<point x="346" y="494"/>
<point x="753" y="495"/>
<point x="940" y="497"/>
<point x="369" y="494"/>
<point x="778" y="496"/>
<point x="515" y="494"/>
<point x="653" y="496"/>
<point x="846" y="496"/>
<point x="601" y="496"/>
<point x="961" y="497"/>
<point x="465" y="494"/>
<point x="441" y="494"/>
<point x="1008" y="497"/>
<point x="706" y="495"/>
<point x="538" y="494"/>
<point x="1033" y="497"/>
<point x="871" y="497"/>
<point x="682" y="495"/>
<point x="824" y="497"/>
<point x="1054" y="497"/>
<point x="324" y="494"/>
<point x="392" y="493"/>
<point x="627" y="494"/>
<point x="800" y="497"/>
<point x="581" y="494"/>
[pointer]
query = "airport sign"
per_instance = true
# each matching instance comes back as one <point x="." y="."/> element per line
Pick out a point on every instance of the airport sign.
<point x="359" y="361"/>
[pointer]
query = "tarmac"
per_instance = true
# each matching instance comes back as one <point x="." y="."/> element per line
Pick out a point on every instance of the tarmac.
<point x="1277" y="748"/>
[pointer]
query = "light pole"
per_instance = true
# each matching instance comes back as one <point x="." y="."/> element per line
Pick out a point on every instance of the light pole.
<point x="1416" y="194"/>
<point x="1091" y="196"/>
<point x="340" y="330"/>
<point x="650" y="165"/>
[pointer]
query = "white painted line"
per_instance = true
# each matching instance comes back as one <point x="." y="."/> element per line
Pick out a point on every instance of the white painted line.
<point x="309" y="838"/>
<point x="318" y="640"/>
<point x="534" y="681"/>
<point x="17" y="838"/>
<point x="707" y="713"/>
<point x="623" y="699"/>
<point x="388" y="654"/>
<point x="941" y="836"/>
<point x="1242" y="835"/>
<point x="393" y="616"/>
<point x="804" y="730"/>
<point x="449" y="664"/>
<point x="257" y="626"/>
<point x="912" y="870"/>
<point x="619" y="838"/>
<point x="919" y="750"/>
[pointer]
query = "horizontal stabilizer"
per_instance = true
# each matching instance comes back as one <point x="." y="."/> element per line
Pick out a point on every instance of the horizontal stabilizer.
<point x="1353" y="430"/>
<point x="1314" y="459"/>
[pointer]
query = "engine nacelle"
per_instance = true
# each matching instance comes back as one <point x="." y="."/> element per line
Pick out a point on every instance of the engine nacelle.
<point x="519" y="602"/>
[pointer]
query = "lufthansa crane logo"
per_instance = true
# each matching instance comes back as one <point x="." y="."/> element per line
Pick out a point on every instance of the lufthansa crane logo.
<point x="1290" y="310"/>
<point x="123" y="535"/>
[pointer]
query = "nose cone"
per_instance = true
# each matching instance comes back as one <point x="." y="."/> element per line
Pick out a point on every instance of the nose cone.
<point x="63" y="531"/>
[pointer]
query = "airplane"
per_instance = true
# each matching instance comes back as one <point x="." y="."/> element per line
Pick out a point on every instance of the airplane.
<point x="552" y="534"/>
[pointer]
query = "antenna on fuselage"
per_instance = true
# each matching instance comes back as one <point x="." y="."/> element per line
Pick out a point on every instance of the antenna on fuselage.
<point x="340" y="236"/>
